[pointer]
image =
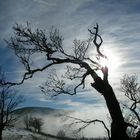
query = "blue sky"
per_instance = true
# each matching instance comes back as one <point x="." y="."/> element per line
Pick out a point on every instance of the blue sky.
<point x="119" y="22"/>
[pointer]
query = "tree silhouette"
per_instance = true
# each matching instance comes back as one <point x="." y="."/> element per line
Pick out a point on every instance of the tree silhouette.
<point x="27" y="44"/>
<point x="131" y="88"/>
<point x="31" y="122"/>
<point x="9" y="100"/>
<point x="36" y="123"/>
<point x="61" y="133"/>
<point x="26" y="121"/>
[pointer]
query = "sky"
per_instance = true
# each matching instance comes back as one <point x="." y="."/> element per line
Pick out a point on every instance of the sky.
<point x="119" y="26"/>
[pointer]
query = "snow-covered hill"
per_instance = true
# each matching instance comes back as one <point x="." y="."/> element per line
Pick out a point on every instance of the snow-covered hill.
<point x="52" y="122"/>
<point x="41" y="111"/>
<point x="22" y="134"/>
<point x="52" y="118"/>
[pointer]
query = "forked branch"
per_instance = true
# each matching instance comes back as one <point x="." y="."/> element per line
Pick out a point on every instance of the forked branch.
<point x="55" y="86"/>
<point x="96" y="37"/>
<point x="86" y="123"/>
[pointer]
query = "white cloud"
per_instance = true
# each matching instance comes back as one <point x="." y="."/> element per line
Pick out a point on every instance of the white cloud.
<point x="44" y="2"/>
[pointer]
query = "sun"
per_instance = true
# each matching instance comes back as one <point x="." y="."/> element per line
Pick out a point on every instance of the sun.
<point x="112" y="61"/>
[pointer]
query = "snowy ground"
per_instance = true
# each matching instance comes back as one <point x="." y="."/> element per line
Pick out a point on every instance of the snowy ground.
<point x="21" y="134"/>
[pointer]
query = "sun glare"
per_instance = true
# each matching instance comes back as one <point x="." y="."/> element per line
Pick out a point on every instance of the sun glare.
<point x="112" y="61"/>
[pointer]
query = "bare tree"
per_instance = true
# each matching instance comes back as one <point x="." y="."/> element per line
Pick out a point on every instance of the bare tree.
<point x="36" y="123"/>
<point x="39" y="124"/>
<point x="61" y="133"/>
<point x="26" y="121"/>
<point x="33" y="122"/>
<point x="28" y="43"/>
<point x="9" y="100"/>
<point x="131" y="88"/>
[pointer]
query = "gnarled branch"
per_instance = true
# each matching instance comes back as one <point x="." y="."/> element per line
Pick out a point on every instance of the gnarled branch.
<point x="86" y="123"/>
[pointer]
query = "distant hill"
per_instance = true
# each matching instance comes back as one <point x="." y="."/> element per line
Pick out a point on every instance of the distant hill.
<point x="41" y="111"/>
<point x="53" y="119"/>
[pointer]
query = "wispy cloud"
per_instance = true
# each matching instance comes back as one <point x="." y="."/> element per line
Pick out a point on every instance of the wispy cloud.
<point x="44" y="2"/>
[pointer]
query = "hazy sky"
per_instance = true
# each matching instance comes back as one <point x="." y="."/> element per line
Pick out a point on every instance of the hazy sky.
<point x="119" y="22"/>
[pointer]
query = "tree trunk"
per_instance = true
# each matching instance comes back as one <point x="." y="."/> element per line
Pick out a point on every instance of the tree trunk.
<point x="138" y="135"/>
<point x="118" y="126"/>
<point x="1" y="133"/>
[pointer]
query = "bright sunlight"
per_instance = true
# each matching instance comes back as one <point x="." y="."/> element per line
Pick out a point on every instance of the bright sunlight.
<point x="112" y="61"/>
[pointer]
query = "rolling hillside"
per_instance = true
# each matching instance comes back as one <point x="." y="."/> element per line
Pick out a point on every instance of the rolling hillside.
<point x="52" y="122"/>
<point x="52" y="118"/>
<point x="41" y="111"/>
